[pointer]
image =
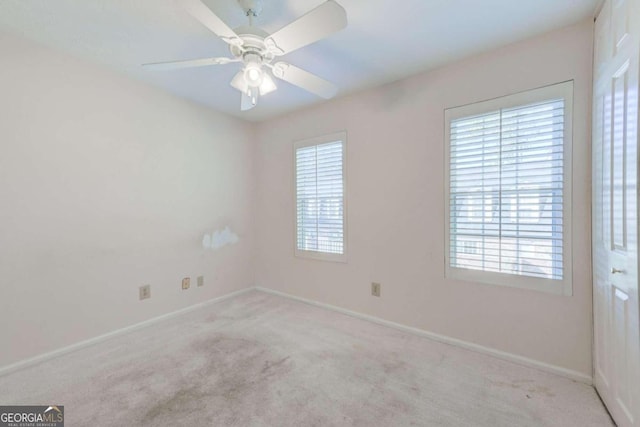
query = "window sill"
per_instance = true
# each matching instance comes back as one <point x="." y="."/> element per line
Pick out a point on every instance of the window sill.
<point x="557" y="287"/>
<point x="321" y="256"/>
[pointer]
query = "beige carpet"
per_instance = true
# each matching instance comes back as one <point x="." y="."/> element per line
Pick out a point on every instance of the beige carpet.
<point x="262" y="360"/>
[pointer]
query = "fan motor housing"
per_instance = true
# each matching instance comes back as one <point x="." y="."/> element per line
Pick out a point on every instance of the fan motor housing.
<point x="253" y="38"/>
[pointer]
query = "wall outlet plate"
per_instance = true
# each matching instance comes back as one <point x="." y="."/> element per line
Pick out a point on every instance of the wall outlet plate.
<point x="145" y="292"/>
<point x="375" y="289"/>
<point x="200" y="280"/>
<point x="186" y="283"/>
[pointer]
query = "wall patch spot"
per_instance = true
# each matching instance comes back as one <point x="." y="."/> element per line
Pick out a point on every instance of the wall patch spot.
<point x="220" y="238"/>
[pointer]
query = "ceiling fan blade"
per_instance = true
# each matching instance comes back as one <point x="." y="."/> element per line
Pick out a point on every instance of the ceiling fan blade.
<point x="172" y="65"/>
<point x="317" y="24"/>
<point x="202" y="13"/>
<point x="305" y="80"/>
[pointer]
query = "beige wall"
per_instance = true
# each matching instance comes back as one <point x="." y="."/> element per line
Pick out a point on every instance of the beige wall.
<point x="107" y="184"/>
<point x="395" y="154"/>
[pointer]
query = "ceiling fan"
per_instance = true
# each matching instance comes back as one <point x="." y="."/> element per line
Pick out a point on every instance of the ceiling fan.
<point x="257" y="50"/>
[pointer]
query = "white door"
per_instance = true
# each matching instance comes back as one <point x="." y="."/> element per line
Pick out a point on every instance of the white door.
<point x="615" y="209"/>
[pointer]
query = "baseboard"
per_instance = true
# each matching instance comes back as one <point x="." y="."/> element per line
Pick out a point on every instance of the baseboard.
<point x="510" y="357"/>
<point x="5" y="370"/>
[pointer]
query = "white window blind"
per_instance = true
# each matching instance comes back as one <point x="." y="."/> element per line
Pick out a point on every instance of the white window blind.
<point x="506" y="190"/>
<point x="320" y="198"/>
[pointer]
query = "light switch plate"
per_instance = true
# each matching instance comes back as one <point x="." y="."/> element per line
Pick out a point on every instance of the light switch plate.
<point x="145" y="292"/>
<point x="375" y="289"/>
<point x="186" y="283"/>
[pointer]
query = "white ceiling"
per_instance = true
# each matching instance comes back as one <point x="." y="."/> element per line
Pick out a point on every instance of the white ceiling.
<point x="385" y="40"/>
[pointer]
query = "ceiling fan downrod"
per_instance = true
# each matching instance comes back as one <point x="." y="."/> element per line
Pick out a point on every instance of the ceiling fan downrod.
<point x="252" y="8"/>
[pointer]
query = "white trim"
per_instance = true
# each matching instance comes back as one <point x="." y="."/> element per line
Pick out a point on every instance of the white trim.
<point x="509" y="357"/>
<point x="23" y="364"/>
<point x="322" y="256"/>
<point x="559" y="287"/>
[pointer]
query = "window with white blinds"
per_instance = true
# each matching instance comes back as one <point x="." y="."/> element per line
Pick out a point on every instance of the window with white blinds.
<point x="508" y="190"/>
<point x="320" y="198"/>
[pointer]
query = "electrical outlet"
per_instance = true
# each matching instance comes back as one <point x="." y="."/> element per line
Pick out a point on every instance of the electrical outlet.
<point x="375" y="289"/>
<point x="145" y="292"/>
<point x="200" y="280"/>
<point x="186" y="283"/>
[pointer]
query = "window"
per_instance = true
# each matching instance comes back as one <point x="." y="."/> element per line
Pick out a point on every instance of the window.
<point x="320" y="198"/>
<point x="509" y="190"/>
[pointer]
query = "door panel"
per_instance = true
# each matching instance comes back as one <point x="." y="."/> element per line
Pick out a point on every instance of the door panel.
<point x="620" y="23"/>
<point x="618" y="157"/>
<point x="615" y="210"/>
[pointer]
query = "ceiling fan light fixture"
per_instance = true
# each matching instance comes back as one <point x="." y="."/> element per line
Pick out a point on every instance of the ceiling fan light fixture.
<point x="253" y="74"/>
<point x="239" y="82"/>
<point x="268" y="85"/>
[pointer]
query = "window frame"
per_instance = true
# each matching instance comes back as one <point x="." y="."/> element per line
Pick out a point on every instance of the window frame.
<point x="316" y="255"/>
<point x="558" y="287"/>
